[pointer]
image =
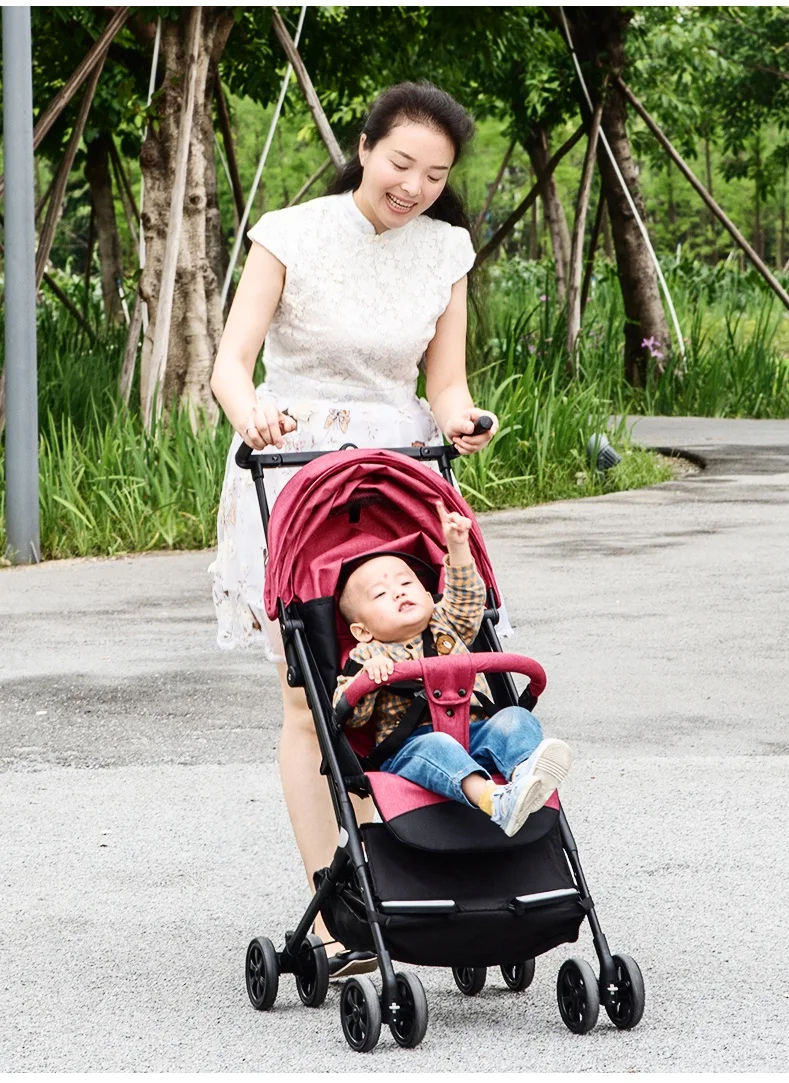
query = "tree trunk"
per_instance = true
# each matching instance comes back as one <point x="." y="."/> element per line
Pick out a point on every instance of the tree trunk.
<point x="536" y="146"/>
<point x="599" y="38"/>
<point x="196" y="323"/>
<point x="97" y="172"/>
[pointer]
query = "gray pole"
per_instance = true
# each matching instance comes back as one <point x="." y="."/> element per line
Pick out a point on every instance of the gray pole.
<point x="21" y="434"/>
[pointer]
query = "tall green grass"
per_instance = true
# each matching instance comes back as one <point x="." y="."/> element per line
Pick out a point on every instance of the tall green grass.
<point x="109" y="487"/>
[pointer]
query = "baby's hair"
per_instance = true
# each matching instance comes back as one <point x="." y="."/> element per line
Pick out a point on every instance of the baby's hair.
<point x="345" y="607"/>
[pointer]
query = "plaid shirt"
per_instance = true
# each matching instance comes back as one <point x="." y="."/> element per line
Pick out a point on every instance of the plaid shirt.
<point x="455" y="623"/>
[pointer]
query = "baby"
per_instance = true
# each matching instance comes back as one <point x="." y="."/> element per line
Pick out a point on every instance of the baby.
<point x="389" y="611"/>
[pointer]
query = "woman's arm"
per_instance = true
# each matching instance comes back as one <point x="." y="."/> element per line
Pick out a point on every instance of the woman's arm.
<point x="447" y="388"/>
<point x="253" y="309"/>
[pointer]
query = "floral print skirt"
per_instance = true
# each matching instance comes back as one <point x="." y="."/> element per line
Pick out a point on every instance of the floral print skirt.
<point x="238" y="570"/>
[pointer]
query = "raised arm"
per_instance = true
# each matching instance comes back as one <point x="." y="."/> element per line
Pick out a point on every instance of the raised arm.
<point x="447" y="387"/>
<point x="254" y="305"/>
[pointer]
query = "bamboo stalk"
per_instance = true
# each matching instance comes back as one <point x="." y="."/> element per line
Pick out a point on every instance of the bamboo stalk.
<point x="577" y="245"/>
<point x="690" y="176"/>
<point x="494" y="187"/>
<point x="308" y="90"/>
<point x="223" y="115"/>
<point x="64" y="169"/>
<point x="593" y="241"/>
<point x="164" y="312"/>
<point x="126" y="195"/>
<point x="309" y="183"/>
<point x="126" y="378"/>
<point x="64" y="96"/>
<point x="506" y="227"/>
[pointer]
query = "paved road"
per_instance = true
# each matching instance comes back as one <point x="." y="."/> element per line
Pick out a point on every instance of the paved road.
<point x="144" y="838"/>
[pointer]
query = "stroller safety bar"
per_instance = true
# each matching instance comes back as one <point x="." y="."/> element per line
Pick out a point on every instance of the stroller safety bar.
<point x="492" y="662"/>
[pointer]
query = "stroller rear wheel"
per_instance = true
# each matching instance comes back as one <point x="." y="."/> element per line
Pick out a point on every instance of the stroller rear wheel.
<point x="578" y="995"/>
<point x="262" y="973"/>
<point x="409" y="1025"/>
<point x="312" y="980"/>
<point x="627" y="1007"/>
<point x="470" y="979"/>
<point x="360" y="1014"/>
<point x="518" y="976"/>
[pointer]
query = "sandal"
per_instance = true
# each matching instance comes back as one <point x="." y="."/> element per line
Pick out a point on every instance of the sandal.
<point x="346" y="964"/>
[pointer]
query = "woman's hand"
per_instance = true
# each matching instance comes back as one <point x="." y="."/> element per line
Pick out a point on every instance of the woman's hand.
<point x="266" y="425"/>
<point x="459" y="429"/>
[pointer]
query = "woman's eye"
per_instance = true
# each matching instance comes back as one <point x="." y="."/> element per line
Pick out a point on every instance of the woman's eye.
<point x="435" y="180"/>
<point x="399" y="168"/>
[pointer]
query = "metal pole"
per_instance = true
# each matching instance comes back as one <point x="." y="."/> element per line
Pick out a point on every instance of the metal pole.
<point x="21" y="434"/>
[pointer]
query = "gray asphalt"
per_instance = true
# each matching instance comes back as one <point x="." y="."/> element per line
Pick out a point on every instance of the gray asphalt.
<point x="144" y="839"/>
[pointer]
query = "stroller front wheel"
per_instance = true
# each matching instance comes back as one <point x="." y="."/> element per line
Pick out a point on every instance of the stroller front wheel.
<point x="262" y="973"/>
<point x="579" y="996"/>
<point x="360" y="1014"/>
<point x="627" y="1007"/>
<point x="312" y="981"/>
<point x="409" y="1024"/>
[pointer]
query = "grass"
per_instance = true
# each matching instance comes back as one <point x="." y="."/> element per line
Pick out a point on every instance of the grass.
<point x="109" y="487"/>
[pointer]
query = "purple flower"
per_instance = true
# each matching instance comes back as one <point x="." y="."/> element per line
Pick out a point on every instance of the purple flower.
<point x="653" y="345"/>
<point x="543" y="297"/>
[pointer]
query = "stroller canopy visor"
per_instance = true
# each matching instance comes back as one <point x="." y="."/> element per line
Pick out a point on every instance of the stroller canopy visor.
<point x="349" y="503"/>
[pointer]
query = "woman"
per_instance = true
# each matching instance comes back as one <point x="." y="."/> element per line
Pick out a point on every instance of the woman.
<point x="351" y="292"/>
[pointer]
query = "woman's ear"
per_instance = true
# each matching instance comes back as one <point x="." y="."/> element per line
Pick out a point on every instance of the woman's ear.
<point x="360" y="633"/>
<point x="363" y="151"/>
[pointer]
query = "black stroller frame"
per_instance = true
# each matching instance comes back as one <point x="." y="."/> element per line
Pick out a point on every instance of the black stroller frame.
<point x="402" y="1004"/>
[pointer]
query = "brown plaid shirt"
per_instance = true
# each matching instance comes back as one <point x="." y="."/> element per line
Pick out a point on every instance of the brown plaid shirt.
<point x="455" y="623"/>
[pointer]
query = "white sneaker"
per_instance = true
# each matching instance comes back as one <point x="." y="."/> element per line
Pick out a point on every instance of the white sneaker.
<point x="549" y="763"/>
<point x="513" y="803"/>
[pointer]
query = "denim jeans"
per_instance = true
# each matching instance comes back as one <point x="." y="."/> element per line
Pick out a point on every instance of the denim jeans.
<point x="440" y="763"/>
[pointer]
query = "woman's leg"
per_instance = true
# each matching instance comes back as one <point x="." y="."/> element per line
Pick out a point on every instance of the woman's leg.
<point x="306" y="790"/>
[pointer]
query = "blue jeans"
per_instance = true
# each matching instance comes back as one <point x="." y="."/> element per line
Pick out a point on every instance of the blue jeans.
<point x="440" y="763"/>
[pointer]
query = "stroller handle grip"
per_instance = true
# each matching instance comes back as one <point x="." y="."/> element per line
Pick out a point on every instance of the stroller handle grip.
<point x="490" y="662"/>
<point x="246" y="455"/>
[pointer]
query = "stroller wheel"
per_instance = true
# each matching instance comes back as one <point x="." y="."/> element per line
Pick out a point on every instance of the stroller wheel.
<point x="518" y="976"/>
<point x="312" y="981"/>
<point x="262" y="973"/>
<point x="627" y="1006"/>
<point x="470" y="979"/>
<point x="578" y="995"/>
<point x="409" y="1025"/>
<point x="360" y="1014"/>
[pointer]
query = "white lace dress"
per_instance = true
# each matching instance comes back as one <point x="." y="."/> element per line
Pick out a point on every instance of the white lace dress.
<point x="342" y="354"/>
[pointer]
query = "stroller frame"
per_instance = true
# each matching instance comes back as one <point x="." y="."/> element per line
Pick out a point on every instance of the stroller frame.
<point x="619" y="987"/>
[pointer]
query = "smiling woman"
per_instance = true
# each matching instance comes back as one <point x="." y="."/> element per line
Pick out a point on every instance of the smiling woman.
<point x="352" y="292"/>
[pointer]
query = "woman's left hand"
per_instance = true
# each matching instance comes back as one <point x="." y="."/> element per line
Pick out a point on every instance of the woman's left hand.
<point x="460" y="428"/>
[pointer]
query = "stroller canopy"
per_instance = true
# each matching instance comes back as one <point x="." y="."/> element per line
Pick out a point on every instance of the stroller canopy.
<point x="349" y="503"/>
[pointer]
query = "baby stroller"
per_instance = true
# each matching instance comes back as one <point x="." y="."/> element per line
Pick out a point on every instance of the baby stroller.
<point x="435" y="883"/>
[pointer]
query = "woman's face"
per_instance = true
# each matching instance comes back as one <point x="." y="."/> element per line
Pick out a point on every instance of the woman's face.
<point x="404" y="174"/>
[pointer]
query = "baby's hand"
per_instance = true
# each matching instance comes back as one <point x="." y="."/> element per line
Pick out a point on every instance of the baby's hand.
<point x="378" y="669"/>
<point x="456" y="527"/>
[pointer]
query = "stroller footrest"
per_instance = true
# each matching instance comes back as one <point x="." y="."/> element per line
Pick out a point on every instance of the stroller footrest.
<point x="540" y="898"/>
<point x="419" y="906"/>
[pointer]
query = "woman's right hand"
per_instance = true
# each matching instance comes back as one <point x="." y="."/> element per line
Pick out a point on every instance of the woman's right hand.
<point x="266" y="426"/>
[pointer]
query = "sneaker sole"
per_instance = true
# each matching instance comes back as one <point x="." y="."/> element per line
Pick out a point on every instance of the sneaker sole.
<point x="552" y="765"/>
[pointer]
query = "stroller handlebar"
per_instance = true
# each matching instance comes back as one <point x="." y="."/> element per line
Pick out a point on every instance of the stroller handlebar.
<point x="490" y="662"/>
<point x="246" y="455"/>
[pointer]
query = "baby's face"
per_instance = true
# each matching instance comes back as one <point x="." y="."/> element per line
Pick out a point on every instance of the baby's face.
<point x="388" y="601"/>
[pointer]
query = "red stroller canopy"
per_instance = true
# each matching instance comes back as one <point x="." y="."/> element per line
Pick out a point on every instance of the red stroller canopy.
<point x="348" y="503"/>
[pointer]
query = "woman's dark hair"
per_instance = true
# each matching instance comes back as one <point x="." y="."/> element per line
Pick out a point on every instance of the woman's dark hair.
<point x="417" y="103"/>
